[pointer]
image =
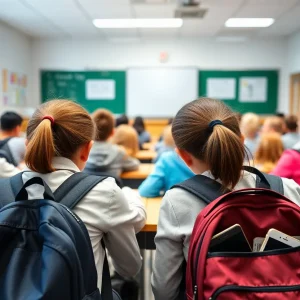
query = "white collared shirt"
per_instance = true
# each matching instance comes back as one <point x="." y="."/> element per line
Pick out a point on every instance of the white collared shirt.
<point x="107" y="211"/>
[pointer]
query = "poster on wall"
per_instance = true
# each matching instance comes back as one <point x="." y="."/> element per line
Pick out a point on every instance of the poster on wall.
<point x="253" y="89"/>
<point x="221" y="88"/>
<point x="14" y="87"/>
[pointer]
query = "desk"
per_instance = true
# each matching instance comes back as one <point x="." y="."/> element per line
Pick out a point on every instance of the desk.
<point x="146" y="156"/>
<point x="133" y="179"/>
<point x="148" y="146"/>
<point x="146" y="236"/>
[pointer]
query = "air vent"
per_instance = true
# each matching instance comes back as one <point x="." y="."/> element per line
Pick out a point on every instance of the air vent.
<point x="190" y="12"/>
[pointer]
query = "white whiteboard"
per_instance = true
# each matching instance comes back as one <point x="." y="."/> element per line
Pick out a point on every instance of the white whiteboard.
<point x="160" y="92"/>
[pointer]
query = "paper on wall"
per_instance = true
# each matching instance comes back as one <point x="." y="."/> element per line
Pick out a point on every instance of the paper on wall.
<point x="221" y="88"/>
<point x="253" y="89"/>
<point x="100" y="89"/>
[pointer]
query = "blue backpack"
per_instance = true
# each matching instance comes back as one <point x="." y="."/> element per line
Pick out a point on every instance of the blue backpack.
<point x="45" y="249"/>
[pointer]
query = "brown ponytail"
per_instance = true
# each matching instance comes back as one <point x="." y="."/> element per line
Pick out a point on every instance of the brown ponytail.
<point x="221" y="147"/>
<point x="72" y="128"/>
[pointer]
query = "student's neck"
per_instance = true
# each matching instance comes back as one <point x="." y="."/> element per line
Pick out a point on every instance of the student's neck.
<point x="6" y="134"/>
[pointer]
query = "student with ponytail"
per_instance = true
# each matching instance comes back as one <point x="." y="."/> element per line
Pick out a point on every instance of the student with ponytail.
<point x="59" y="138"/>
<point x="208" y="138"/>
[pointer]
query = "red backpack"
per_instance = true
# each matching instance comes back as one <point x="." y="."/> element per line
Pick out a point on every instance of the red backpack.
<point x="269" y="275"/>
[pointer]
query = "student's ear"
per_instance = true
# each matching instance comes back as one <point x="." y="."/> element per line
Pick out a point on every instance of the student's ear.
<point x="26" y="142"/>
<point x="112" y="133"/>
<point x="18" y="130"/>
<point x="85" y="151"/>
<point x="242" y="138"/>
<point x="186" y="157"/>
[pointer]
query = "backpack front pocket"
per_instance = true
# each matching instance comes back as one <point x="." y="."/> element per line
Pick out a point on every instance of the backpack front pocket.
<point x="253" y="275"/>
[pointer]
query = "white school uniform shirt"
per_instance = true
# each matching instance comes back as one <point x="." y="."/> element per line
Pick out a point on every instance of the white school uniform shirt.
<point x="178" y="213"/>
<point x="107" y="211"/>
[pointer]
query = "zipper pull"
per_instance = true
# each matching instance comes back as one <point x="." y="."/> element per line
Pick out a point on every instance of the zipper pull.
<point x="195" y="292"/>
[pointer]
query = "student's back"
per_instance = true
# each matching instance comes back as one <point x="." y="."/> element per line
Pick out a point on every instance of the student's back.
<point x="106" y="158"/>
<point x="64" y="132"/>
<point x="169" y="170"/>
<point x="288" y="165"/>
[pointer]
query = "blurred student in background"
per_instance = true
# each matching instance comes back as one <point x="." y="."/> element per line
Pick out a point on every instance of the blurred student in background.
<point x="250" y="126"/>
<point x="126" y="137"/>
<point x="11" y="144"/>
<point x="288" y="165"/>
<point x="106" y="158"/>
<point x="139" y="126"/>
<point x="122" y="120"/>
<point x="273" y="124"/>
<point x="269" y="151"/>
<point x="291" y="136"/>
<point x="169" y="170"/>
<point x="167" y="143"/>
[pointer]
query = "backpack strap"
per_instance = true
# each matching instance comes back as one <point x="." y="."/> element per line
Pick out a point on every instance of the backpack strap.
<point x="9" y="188"/>
<point x="75" y="188"/>
<point x="70" y="193"/>
<point x="208" y="189"/>
<point x="266" y="181"/>
<point x="203" y="187"/>
<point x="6" y="153"/>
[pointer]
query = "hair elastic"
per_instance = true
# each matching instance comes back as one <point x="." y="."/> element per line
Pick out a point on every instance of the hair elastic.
<point x="50" y="118"/>
<point x="212" y="124"/>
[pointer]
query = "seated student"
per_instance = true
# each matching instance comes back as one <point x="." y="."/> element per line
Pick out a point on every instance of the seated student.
<point x="139" y="126"/>
<point x="122" y="120"/>
<point x="268" y="152"/>
<point x="10" y="135"/>
<point x="249" y="127"/>
<point x="126" y="137"/>
<point x="273" y="124"/>
<point x="291" y="137"/>
<point x="64" y="132"/>
<point x="288" y="165"/>
<point x="207" y="147"/>
<point x="106" y="158"/>
<point x="167" y="143"/>
<point x="169" y="170"/>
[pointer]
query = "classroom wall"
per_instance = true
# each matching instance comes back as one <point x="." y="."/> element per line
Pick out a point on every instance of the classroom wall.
<point x="204" y="53"/>
<point x="16" y="56"/>
<point x="294" y="53"/>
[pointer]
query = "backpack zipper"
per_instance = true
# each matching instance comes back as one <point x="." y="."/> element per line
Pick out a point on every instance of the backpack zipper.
<point x="251" y="289"/>
<point x="195" y="292"/>
<point x="73" y="215"/>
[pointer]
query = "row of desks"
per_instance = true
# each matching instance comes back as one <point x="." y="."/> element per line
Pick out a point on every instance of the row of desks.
<point x="146" y="236"/>
<point x="133" y="179"/>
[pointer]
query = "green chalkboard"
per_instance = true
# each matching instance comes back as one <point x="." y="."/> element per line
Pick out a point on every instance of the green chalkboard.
<point x="83" y="87"/>
<point x="270" y="77"/>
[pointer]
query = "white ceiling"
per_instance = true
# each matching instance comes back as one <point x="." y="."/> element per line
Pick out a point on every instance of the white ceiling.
<point x="73" y="18"/>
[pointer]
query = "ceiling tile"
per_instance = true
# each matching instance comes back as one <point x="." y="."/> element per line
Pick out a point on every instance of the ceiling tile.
<point x="155" y="11"/>
<point x="106" y="9"/>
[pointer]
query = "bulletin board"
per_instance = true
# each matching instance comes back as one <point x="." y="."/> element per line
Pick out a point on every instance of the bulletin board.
<point x="243" y="91"/>
<point x="91" y="89"/>
<point x="14" y="88"/>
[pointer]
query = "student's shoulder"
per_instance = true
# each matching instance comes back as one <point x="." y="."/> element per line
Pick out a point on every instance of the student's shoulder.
<point x="291" y="190"/>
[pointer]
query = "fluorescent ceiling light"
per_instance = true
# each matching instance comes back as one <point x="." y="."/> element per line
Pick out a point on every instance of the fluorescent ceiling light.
<point x="138" y="23"/>
<point x="249" y="22"/>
